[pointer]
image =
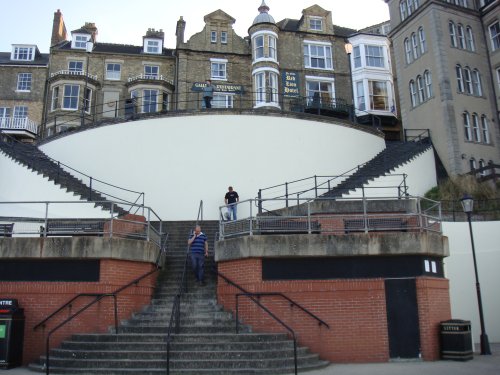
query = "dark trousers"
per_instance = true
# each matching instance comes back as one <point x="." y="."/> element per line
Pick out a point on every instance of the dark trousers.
<point x="198" y="263"/>
<point x="208" y="101"/>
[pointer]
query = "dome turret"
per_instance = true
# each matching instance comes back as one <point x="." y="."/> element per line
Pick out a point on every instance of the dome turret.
<point x="264" y="16"/>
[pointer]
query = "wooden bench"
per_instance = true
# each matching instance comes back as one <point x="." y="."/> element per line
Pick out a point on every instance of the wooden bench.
<point x="375" y="225"/>
<point x="287" y="227"/>
<point x="6" y="230"/>
<point x="73" y="228"/>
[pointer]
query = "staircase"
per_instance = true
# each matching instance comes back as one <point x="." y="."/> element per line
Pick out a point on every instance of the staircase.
<point x="34" y="159"/>
<point x="206" y="343"/>
<point x="394" y="155"/>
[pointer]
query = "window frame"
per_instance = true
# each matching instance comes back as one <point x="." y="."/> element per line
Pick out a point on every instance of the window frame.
<point x="468" y="81"/>
<point x="310" y="55"/>
<point x="494" y="37"/>
<point x="485" y="129"/>
<point x="223" y="37"/>
<point x="75" y="66"/>
<point x="20" y="112"/>
<point x="428" y="84"/>
<point x="460" y="78"/>
<point x="226" y="98"/>
<point x="113" y="75"/>
<point x="72" y="97"/>
<point x="423" y="43"/>
<point x="147" y="101"/>
<point x="471" y="45"/>
<point x="324" y="95"/>
<point x="372" y="57"/>
<point x="414" y="46"/>
<point x="360" y="99"/>
<point x="220" y="66"/>
<point x="453" y="34"/>
<point x="316" y="21"/>
<point x="408" y="51"/>
<point x="23" y="53"/>
<point x="24" y="82"/>
<point x="420" y="89"/>
<point x="467" y="127"/>
<point x="461" y="36"/>
<point x="371" y="95"/>
<point x="154" y="71"/>
<point x="152" y="46"/>
<point x="356" y="57"/>
<point x="54" y="101"/>
<point x="413" y="93"/>
<point x="80" y="41"/>
<point x="213" y="37"/>
<point x="475" y="128"/>
<point x="477" y="86"/>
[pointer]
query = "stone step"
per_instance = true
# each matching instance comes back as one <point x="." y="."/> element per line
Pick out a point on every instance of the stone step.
<point x="154" y="328"/>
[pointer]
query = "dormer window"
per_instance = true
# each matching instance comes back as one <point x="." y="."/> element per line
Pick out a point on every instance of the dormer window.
<point x="23" y="53"/>
<point x="316" y="24"/>
<point x="153" y="46"/>
<point x="80" y="41"/>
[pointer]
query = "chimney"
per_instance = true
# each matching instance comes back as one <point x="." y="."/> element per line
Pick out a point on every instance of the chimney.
<point x="152" y="33"/>
<point x="179" y="32"/>
<point x="59" y="33"/>
<point x="92" y="29"/>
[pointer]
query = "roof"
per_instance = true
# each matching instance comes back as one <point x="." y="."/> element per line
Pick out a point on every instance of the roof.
<point x="40" y="59"/>
<point x="293" y="25"/>
<point x="112" y="48"/>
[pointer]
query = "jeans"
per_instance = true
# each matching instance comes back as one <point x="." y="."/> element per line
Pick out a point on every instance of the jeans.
<point x="208" y="101"/>
<point x="198" y="263"/>
<point x="232" y="209"/>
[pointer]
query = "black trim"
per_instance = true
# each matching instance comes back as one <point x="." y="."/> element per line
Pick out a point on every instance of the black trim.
<point x="63" y="270"/>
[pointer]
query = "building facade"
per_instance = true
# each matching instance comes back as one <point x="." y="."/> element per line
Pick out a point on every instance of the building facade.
<point x="446" y="55"/>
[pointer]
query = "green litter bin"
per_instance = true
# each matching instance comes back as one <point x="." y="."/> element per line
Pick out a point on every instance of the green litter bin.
<point x="456" y="340"/>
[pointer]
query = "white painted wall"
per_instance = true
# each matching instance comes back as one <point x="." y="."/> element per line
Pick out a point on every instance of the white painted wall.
<point x="421" y="176"/>
<point x="459" y="269"/>
<point x="178" y="161"/>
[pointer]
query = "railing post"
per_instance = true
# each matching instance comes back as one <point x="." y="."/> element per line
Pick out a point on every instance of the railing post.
<point x="46" y="219"/>
<point x="111" y="221"/>
<point x="148" y="234"/>
<point x="365" y="215"/>
<point x="251" y="217"/>
<point x="309" y="217"/>
<point x="259" y="196"/>
<point x="90" y="188"/>
<point x="404" y="184"/>
<point x="237" y="314"/>
<point x="315" y="186"/>
<point x="116" y="313"/>
<point x="286" y="193"/>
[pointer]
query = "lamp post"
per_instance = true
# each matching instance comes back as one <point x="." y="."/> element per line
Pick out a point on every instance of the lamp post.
<point x="467" y="205"/>
<point x="88" y="47"/>
<point x="348" y="51"/>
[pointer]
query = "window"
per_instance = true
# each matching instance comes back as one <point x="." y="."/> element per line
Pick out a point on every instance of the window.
<point x="258" y="48"/>
<point x="356" y="53"/>
<point x="421" y="37"/>
<point x="379" y="99"/>
<point x="4" y="114"/>
<point x="223" y="37"/>
<point x="420" y="89"/>
<point x="414" y="45"/>
<point x="75" y="66"/>
<point x="24" y="82"/>
<point x="315" y="24"/>
<point x="470" y="39"/>
<point x="468" y="80"/>
<point x="266" y="85"/>
<point x="218" y="69"/>
<point x="20" y="112"/>
<point x="151" y="71"/>
<point x="409" y="6"/>
<point x="495" y="35"/>
<point x="408" y="51"/>
<point x="319" y="92"/>
<point x="428" y="84"/>
<point x="482" y="164"/>
<point x="318" y="56"/>
<point x="23" y="53"/>
<point x="475" y="128"/>
<point x="213" y="37"/>
<point x="402" y="10"/>
<point x="498" y="77"/>
<point x="81" y="41"/>
<point x="413" y="94"/>
<point x="221" y="100"/>
<point x="476" y="82"/>
<point x="453" y="34"/>
<point x="460" y="78"/>
<point x="113" y="71"/>
<point x="153" y="46"/>
<point x="55" y="99"/>
<point x="360" y="96"/>
<point x="272" y="47"/>
<point x="466" y="118"/>
<point x="485" y="129"/>
<point x="87" y="99"/>
<point x="374" y="56"/>
<point x="461" y="36"/>
<point x="260" y="88"/>
<point x="472" y="164"/>
<point x="71" y="95"/>
<point x="149" y="101"/>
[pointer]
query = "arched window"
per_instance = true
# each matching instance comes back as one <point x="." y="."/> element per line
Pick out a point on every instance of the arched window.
<point x="467" y="132"/>
<point x="414" y="45"/>
<point x="428" y="84"/>
<point x="461" y="36"/>
<point x="470" y="40"/>
<point x="472" y="164"/>
<point x="413" y="94"/>
<point x="482" y="164"/>
<point x="485" y="129"/>
<point x="408" y="52"/>
<point x="453" y="34"/>
<point x="421" y="89"/>
<point x="409" y="4"/>
<point x="476" y="82"/>
<point x="421" y="36"/>
<point x="460" y="78"/>
<point x="468" y="80"/>
<point x="475" y="127"/>
<point x="402" y="9"/>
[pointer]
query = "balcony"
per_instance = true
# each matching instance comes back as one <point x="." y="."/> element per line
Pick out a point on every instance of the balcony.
<point x="72" y="73"/>
<point x="151" y="79"/>
<point x="322" y="106"/>
<point x="24" y="126"/>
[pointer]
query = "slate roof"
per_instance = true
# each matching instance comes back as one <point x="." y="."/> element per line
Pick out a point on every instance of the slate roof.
<point x="125" y="49"/>
<point x="40" y="59"/>
<point x="293" y="25"/>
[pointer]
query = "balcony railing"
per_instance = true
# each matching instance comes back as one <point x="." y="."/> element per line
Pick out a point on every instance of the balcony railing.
<point x="12" y="123"/>
<point x="73" y="73"/>
<point x="148" y="77"/>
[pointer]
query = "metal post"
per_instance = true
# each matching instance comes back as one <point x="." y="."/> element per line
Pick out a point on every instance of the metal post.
<point x="85" y="90"/>
<point x="251" y="217"/>
<point x="259" y="197"/>
<point x="111" y="222"/>
<point x="46" y="219"/>
<point x="90" y="189"/>
<point x="315" y="186"/>
<point x="485" y="345"/>
<point x="286" y="193"/>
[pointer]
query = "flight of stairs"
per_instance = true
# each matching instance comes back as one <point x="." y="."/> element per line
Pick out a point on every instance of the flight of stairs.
<point x="206" y="344"/>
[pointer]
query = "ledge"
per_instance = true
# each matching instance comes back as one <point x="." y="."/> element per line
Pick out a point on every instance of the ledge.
<point x="78" y="247"/>
<point x="317" y="245"/>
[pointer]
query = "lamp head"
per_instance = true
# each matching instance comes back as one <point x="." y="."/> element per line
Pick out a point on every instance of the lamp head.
<point x="467" y="203"/>
<point x="348" y="48"/>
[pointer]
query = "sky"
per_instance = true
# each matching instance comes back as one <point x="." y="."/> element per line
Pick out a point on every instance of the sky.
<point x="126" y="21"/>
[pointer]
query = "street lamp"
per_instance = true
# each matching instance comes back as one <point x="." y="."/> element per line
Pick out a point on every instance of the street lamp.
<point x="467" y="205"/>
<point x="88" y="48"/>
<point x="348" y="51"/>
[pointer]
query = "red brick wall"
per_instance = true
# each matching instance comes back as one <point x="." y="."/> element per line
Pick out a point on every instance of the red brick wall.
<point x="39" y="299"/>
<point x="355" y="310"/>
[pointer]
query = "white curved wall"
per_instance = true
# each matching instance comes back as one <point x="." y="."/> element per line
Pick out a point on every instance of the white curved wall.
<point x="178" y="161"/>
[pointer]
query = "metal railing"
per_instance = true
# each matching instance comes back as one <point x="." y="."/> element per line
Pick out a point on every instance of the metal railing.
<point x="174" y="322"/>
<point x="254" y="298"/>
<point x="335" y="216"/>
<point x="13" y="123"/>
<point x="79" y="218"/>
<point x="417" y="135"/>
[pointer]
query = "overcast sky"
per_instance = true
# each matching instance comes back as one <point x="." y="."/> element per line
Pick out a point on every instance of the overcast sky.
<point x="125" y="21"/>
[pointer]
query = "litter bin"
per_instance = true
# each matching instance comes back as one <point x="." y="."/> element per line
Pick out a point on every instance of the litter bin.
<point x="11" y="333"/>
<point x="456" y="340"/>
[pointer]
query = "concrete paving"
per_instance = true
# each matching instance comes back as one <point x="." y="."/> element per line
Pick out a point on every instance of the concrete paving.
<point x="480" y="365"/>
